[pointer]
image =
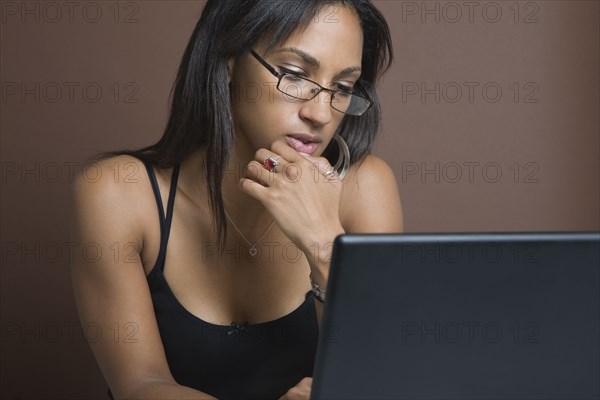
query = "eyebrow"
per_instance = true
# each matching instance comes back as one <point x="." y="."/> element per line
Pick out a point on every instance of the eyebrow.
<point x="314" y="62"/>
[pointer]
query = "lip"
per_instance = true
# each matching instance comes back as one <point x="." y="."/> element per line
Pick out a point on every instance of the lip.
<point x="303" y="142"/>
<point x="305" y="137"/>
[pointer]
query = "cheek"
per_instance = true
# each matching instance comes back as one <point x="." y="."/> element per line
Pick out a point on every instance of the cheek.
<point x="251" y="93"/>
<point x="258" y="116"/>
<point x="262" y="114"/>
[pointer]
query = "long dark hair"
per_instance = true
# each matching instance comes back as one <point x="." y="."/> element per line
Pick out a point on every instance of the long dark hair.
<point x="200" y="116"/>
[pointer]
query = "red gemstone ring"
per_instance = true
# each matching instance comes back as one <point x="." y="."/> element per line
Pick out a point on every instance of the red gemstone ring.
<point x="271" y="163"/>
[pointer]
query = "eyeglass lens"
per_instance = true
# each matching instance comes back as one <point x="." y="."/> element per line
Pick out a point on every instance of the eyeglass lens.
<point x="300" y="88"/>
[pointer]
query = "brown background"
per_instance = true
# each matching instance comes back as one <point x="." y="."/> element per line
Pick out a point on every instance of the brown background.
<point x="523" y="159"/>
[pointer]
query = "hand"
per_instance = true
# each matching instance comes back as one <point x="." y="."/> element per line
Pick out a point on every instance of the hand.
<point x="299" y="392"/>
<point x="303" y="201"/>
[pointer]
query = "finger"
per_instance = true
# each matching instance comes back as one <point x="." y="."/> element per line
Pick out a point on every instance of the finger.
<point x="258" y="173"/>
<point x="304" y="388"/>
<point x="307" y="381"/>
<point x="322" y="164"/>
<point x="290" y="154"/>
<point x="254" y="189"/>
<point x="300" y="160"/>
<point x="270" y="160"/>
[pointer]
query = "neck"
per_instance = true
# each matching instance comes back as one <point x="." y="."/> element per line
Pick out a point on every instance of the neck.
<point x="247" y="213"/>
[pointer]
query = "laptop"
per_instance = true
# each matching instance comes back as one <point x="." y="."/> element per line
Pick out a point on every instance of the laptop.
<point x="461" y="316"/>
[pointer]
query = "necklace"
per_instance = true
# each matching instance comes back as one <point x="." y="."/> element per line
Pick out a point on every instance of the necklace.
<point x="252" y="250"/>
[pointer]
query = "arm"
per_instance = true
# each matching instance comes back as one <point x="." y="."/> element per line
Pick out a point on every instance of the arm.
<point x="370" y="204"/>
<point x="113" y="293"/>
<point x="312" y="210"/>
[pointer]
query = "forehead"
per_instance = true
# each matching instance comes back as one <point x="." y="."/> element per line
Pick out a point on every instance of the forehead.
<point x="334" y="37"/>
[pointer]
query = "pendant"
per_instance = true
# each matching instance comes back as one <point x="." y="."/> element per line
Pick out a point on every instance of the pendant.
<point x="252" y="250"/>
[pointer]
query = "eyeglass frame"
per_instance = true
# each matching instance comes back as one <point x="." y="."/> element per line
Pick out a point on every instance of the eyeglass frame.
<point x="281" y="75"/>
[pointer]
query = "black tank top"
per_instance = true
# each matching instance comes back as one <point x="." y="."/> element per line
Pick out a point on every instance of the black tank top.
<point x="237" y="361"/>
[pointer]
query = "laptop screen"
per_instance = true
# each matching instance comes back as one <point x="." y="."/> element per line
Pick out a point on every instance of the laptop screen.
<point x="461" y="316"/>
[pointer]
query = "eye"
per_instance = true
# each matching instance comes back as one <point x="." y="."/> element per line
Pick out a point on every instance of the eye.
<point x="292" y="77"/>
<point x="297" y="74"/>
<point x="344" y="89"/>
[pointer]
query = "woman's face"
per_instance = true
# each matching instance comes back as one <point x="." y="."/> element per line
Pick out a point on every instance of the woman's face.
<point x="328" y="52"/>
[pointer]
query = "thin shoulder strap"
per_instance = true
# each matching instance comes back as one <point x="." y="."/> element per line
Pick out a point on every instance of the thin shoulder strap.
<point x="156" y="190"/>
<point x="170" y="206"/>
<point x="165" y="222"/>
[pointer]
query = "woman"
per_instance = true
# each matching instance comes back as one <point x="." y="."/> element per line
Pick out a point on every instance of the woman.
<point x="221" y="296"/>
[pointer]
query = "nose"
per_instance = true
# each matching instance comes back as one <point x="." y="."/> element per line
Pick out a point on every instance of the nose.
<point x="318" y="110"/>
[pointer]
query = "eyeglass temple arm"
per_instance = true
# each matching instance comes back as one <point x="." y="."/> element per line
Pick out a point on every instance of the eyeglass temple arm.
<point x="364" y="92"/>
<point x="263" y="62"/>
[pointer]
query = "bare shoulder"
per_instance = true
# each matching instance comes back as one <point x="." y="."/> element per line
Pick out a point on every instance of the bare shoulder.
<point x="113" y="189"/>
<point x="371" y="170"/>
<point x="370" y="199"/>
<point x="110" y="199"/>
<point x="112" y="176"/>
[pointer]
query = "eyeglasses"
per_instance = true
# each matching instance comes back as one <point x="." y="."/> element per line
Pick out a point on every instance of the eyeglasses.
<point x="301" y="88"/>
